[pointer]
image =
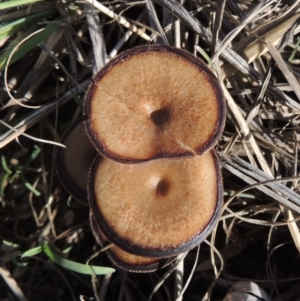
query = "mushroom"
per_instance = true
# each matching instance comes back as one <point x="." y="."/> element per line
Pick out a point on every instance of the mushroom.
<point x="74" y="161"/>
<point x="154" y="102"/>
<point x="160" y="208"/>
<point x="73" y="164"/>
<point x="151" y="102"/>
<point x="125" y="260"/>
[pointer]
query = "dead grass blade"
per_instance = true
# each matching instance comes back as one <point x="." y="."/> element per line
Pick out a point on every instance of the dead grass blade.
<point x="261" y="6"/>
<point x="180" y="297"/>
<point x="243" y="126"/>
<point x="179" y="272"/>
<point x="10" y="281"/>
<point x="217" y="25"/>
<point x="122" y="21"/>
<point x="167" y="274"/>
<point x="156" y="21"/>
<point x="259" y="46"/>
<point x="256" y="173"/>
<point x="282" y="65"/>
<point x="124" y="39"/>
<point x="265" y="167"/>
<point x="39" y="114"/>
<point x="96" y="34"/>
<point x="252" y="175"/>
<point x="233" y="58"/>
<point x="182" y="14"/>
<point x="213" y="250"/>
<point x="17" y="132"/>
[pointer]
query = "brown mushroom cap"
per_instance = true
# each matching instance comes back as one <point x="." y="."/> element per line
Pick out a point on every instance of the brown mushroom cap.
<point x="153" y="102"/>
<point x="74" y="161"/>
<point x="160" y="208"/>
<point x="124" y="260"/>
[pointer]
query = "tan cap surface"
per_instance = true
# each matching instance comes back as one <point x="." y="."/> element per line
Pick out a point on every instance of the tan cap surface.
<point x="159" y="208"/>
<point x="152" y="102"/>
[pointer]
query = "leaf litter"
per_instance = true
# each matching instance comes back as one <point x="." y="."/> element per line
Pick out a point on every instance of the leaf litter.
<point x="250" y="44"/>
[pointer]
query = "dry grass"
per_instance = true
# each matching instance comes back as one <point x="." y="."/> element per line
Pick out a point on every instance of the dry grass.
<point x="253" y="50"/>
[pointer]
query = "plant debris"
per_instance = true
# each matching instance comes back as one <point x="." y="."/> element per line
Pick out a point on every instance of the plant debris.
<point x="49" y="53"/>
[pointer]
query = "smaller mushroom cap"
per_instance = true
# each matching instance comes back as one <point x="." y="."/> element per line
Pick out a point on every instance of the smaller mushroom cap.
<point x="74" y="161"/>
<point x="124" y="260"/>
<point x="160" y="208"/>
<point x="154" y="102"/>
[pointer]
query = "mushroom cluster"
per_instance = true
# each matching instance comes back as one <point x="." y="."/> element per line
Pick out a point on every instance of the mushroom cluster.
<point x="148" y="173"/>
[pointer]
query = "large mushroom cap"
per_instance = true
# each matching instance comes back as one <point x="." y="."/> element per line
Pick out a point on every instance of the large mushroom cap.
<point x="152" y="102"/>
<point x="74" y="161"/>
<point x="159" y="208"/>
<point x="124" y="260"/>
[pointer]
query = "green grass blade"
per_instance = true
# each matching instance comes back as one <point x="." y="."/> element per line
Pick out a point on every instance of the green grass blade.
<point x="32" y="189"/>
<point x="78" y="100"/>
<point x="13" y="177"/>
<point x="14" y="3"/>
<point x="294" y="51"/>
<point x="9" y="244"/>
<point x="10" y="28"/>
<point x="3" y="184"/>
<point x="29" y="186"/>
<point x="204" y="54"/>
<point x="4" y="165"/>
<point x="75" y="266"/>
<point x="19" y="263"/>
<point x="35" y="153"/>
<point x="28" y="45"/>
<point x="33" y="156"/>
<point x="32" y="252"/>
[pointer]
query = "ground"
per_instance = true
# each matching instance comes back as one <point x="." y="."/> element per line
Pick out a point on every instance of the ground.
<point x="50" y="51"/>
